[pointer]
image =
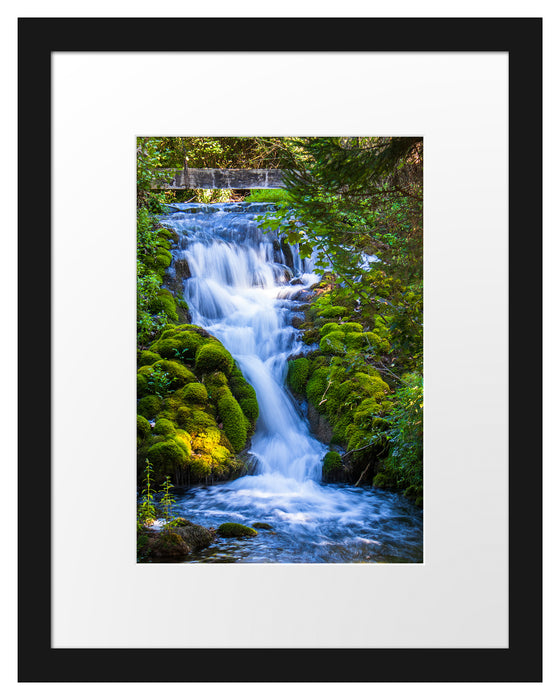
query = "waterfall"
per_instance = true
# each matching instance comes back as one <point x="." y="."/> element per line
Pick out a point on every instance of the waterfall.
<point x="245" y="288"/>
<point x="240" y="291"/>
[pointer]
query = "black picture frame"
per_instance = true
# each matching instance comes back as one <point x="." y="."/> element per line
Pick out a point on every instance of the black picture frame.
<point x="521" y="38"/>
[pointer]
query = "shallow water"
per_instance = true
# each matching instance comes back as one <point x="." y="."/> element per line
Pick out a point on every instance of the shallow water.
<point x="245" y="289"/>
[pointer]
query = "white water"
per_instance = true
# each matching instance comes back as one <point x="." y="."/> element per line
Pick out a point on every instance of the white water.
<point x="244" y="291"/>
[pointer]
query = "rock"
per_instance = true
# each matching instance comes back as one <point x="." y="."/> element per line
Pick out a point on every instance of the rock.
<point x="195" y="536"/>
<point x="262" y="526"/>
<point x="298" y="321"/>
<point x="177" y="543"/>
<point x="236" y="530"/>
<point x="319" y="425"/>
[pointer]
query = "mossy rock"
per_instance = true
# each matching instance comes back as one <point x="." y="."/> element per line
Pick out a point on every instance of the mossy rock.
<point x="383" y="480"/>
<point x="329" y="328"/>
<point x="332" y="462"/>
<point x="262" y="526"/>
<point x="195" y="393"/>
<point x="250" y="408"/>
<point x="332" y="311"/>
<point x="351" y="328"/>
<point x="333" y="343"/>
<point x="236" y="530"/>
<point x="145" y="357"/>
<point x="167" y="456"/>
<point x="149" y="406"/>
<point x="141" y="385"/>
<point x="298" y="372"/>
<point x="316" y="387"/>
<point x="164" y="427"/>
<point x="176" y="372"/>
<point x="189" y="341"/>
<point x="166" y="347"/>
<point x="213" y="357"/>
<point x="194" y="420"/>
<point x="234" y="421"/>
<point x="143" y="427"/>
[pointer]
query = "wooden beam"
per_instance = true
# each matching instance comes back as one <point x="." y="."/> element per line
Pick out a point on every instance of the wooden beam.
<point x="218" y="179"/>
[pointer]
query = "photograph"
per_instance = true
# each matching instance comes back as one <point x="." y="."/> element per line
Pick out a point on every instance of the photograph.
<point x="280" y="349"/>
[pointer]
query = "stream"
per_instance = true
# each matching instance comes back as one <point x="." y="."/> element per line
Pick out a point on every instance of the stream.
<point x="245" y="288"/>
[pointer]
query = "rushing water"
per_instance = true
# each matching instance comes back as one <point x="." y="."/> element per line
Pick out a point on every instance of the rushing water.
<point x="245" y="289"/>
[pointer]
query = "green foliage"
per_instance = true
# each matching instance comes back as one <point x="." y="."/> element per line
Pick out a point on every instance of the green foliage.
<point x="405" y="434"/>
<point x="158" y="381"/>
<point x="213" y="357"/>
<point x="298" y="372"/>
<point x="236" y="530"/>
<point x="269" y="195"/>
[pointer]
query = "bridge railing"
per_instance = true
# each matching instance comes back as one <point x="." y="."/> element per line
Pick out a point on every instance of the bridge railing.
<point x="218" y="179"/>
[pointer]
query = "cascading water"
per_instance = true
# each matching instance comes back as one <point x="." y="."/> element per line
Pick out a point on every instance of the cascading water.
<point x="244" y="288"/>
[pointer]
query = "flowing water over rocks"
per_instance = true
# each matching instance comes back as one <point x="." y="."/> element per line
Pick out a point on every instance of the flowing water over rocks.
<point x="246" y="288"/>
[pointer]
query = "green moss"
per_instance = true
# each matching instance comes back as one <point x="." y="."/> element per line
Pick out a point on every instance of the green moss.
<point x="332" y="311"/>
<point x="236" y="530"/>
<point x="195" y="393"/>
<point x="164" y="427"/>
<point x="250" y="408"/>
<point x="298" y="372"/>
<point x="163" y="260"/>
<point x="213" y="357"/>
<point x="143" y="427"/>
<point x="262" y="526"/>
<point x="190" y="341"/>
<point x="166" y="347"/>
<point x="317" y="385"/>
<point x="166" y="303"/>
<point x="149" y="406"/>
<point x="234" y="421"/>
<point x="141" y="385"/>
<point x="329" y="328"/>
<point x="332" y="461"/>
<point x="177" y="373"/>
<point x="167" y="456"/>
<point x="184" y="441"/>
<point x="147" y="358"/>
<point x="351" y="328"/>
<point x="215" y="381"/>
<point x="194" y="420"/>
<point x="333" y="343"/>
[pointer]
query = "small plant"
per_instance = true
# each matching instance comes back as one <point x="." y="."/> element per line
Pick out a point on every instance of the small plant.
<point x="159" y="382"/>
<point x="166" y="502"/>
<point x="146" y="513"/>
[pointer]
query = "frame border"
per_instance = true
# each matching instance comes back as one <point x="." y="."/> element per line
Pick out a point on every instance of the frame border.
<point x="521" y="38"/>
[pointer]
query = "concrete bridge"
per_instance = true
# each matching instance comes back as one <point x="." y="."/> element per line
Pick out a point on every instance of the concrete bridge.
<point x="218" y="179"/>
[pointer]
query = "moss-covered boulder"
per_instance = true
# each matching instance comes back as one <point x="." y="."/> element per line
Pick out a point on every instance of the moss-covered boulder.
<point x="149" y="406"/>
<point x="164" y="427"/>
<point x="234" y="422"/>
<point x="168" y="456"/>
<point x="143" y="427"/>
<point x="178" y="374"/>
<point x="195" y="393"/>
<point x="145" y="357"/>
<point x="236" y="530"/>
<point x="298" y="372"/>
<point x="213" y="357"/>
